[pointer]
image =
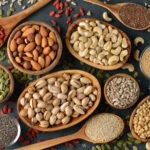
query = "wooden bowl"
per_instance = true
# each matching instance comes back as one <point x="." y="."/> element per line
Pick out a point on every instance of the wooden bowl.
<point x="74" y="121"/>
<point x="45" y="70"/>
<point x="73" y="28"/>
<point x="131" y="121"/>
<point x="120" y="75"/>
<point x="11" y="90"/>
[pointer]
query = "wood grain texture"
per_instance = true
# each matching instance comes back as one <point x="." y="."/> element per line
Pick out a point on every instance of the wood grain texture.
<point x="74" y="121"/>
<point x="131" y="121"/>
<point x="78" y="135"/>
<point x="11" y="90"/>
<point x="120" y="75"/>
<point x="55" y="61"/>
<point x="73" y="28"/>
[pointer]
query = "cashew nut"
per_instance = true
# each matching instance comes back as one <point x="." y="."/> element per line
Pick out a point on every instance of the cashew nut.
<point x="123" y="54"/>
<point x="116" y="51"/>
<point x="148" y="30"/>
<point x="92" y="58"/>
<point x="102" y="26"/>
<point x="106" y="17"/>
<point x="110" y="29"/>
<point x="113" y="60"/>
<point x="92" y="52"/>
<point x="112" y="36"/>
<point x="98" y="49"/>
<point x="136" y="55"/>
<point x="81" y="31"/>
<point x="105" y="61"/>
<point x="105" y="31"/>
<point x="128" y="66"/>
<point x="92" y="23"/>
<point x="94" y="42"/>
<point x="107" y="46"/>
<point x="74" y="37"/>
<point x="83" y="39"/>
<point x="119" y="41"/>
<point x="81" y="46"/>
<point x="83" y="53"/>
<point x="102" y="55"/>
<point x="76" y="46"/>
<point x="88" y="43"/>
<point x="85" y="25"/>
<point x="138" y="40"/>
<point x="98" y="30"/>
<point x="101" y="41"/>
<point x="88" y="33"/>
<point x="147" y="146"/>
<point x="115" y="31"/>
<point x="124" y="43"/>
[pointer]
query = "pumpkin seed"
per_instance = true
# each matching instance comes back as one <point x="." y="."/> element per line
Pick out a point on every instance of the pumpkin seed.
<point x="2" y="58"/>
<point x="93" y="148"/>
<point x="108" y="146"/>
<point x="135" y="148"/>
<point x="103" y="147"/>
<point x="135" y="75"/>
<point x="116" y="148"/>
<point x="137" y="142"/>
<point x="129" y="135"/>
<point x="129" y="142"/>
<point x="12" y="9"/>
<point x="98" y="147"/>
<point x="126" y="148"/>
<point x="9" y="12"/>
<point x="1" y="12"/>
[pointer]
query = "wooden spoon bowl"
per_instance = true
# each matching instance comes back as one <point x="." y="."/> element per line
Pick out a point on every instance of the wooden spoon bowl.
<point x="74" y="121"/>
<point x="11" y="90"/>
<point x="55" y="61"/>
<point x="120" y="75"/>
<point x="73" y="27"/>
<point x="131" y="121"/>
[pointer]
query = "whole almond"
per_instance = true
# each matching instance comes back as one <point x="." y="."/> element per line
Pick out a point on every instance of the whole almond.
<point x="27" y="58"/>
<point x="28" y="31"/>
<point x="52" y="55"/>
<point x="19" y="40"/>
<point x="39" y="49"/>
<point x="28" y="54"/>
<point x="47" y="61"/>
<point x="35" y="55"/>
<point x="20" y="54"/>
<point x="38" y="39"/>
<point x="41" y="61"/>
<point x="25" y="28"/>
<point x="18" y="60"/>
<point x="13" y="45"/>
<point x="29" y="47"/>
<point x="15" y="53"/>
<point x="36" y="27"/>
<point x="52" y="36"/>
<point x="27" y="65"/>
<point x="18" y="34"/>
<point x="44" y="42"/>
<point x="35" y="65"/>
<point x="50" y="41"/>
<point x="31" y="37"/>
<point x="21" y="47"/>
<point x="46" y="50"/>
<point x="43" y="31"/>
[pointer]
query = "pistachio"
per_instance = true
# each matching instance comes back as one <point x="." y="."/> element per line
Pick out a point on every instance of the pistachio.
<point x="39" y="116"/>
<point x="47" y="115"/>
<point x="31" y="113"/>
<point x="52" y="120"/>
<point x="24" y="112"/>
<point x="23" y="101"/>
<point x="79" y="109"/>
<point x="66" y="120"/>
<point x="41" y="105"/>
<point x="44" y="124"/>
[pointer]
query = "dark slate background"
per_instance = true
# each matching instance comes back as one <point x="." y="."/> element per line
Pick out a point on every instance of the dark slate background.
<point x="43" y="15"/>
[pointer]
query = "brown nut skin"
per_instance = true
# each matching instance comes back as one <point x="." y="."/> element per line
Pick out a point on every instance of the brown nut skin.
<point x="52" y="36"/>
<point x="52" y="55"/>
<point x="21" y="47"/>
<point x="38" y="39"/>
<point x="28" y="31"/>
<point x="36" y="27"/>
<point x="43" y="31"/>
<point x="31" y="37"/>
<point x="20" y="54"/>
<point x="19" y="41"/>
<point x="27" y="65"/>
<point x="17" y="35"/>
<point x="46" y="50"/>
<point x="35" y="55"/>
<point x="25" y="27"/>
<point x="15" y="54"/>
<point x="41" y="61"/>
<point x="44" y="42"/>
<point x="47" y="61"/>
<point x="50" y="41"/>
<point x="29" y="47"/>
<point x="39" y="49"/>
<point x="27" y="58"/>
<point x="35" y="65"/>
<point x="18" y="60"/>
<point x="55" y="47"/>
<point x="13" y="45"/>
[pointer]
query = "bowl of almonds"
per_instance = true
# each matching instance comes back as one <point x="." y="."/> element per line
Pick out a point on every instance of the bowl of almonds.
<point x="34" y="47"/>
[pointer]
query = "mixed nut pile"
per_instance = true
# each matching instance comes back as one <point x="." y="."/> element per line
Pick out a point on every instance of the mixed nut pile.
<point x="56" y="100"/>
<point x="141" y="120"/>
<point x="122" y="91"/>
<point x="34" y="47"/>
<point x="99" y="43"/>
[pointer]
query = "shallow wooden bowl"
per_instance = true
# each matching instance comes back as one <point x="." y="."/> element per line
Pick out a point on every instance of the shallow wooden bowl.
<point x="131" y="121"/>
<point x="45" y="70"/>
<point x="73" y="28"/>
<point x="11" y="90"/>
<point x="120" y="75"/>
<point x="74" y="121"/>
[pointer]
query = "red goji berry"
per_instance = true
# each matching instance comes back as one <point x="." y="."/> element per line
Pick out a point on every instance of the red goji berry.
<point x="76" y="141"/>
<point x="57" y="6"/>
<point x="52" y="13"/>
<point x="82" y="11"/>
<point x="21" y="139"/>
<point x="1" y="34"/>
<point x="10" y="67"/>
<point x="57" y="15"/>
<point x="76" y="15"/>
<point x="26" y="142"/>
<point x="55" y="3"/>
<point x="60" y="11"/>
<point x="5" y="109"/>
<point x="68" y="20"/>
<point x="9" y="110"/>
<point x="59" y="29"/>
<point x="67" y="12"/>
<point x="1" y="147"/>
<point x="61" y="5"/>
<point x="53" y="22"/>
<point x="70" y="8"/>
<point x="67" y="143"/>
<point x="18" y="119"/>
<point x="2" y="113"/>
<point x="66" y="4"/>
<point x="71" y="145"/>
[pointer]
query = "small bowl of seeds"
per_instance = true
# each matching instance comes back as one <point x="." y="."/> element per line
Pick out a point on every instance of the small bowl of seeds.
<point x="10" y="131"/>
<point x="121" y="91"/>
<point x="6" y="84"/>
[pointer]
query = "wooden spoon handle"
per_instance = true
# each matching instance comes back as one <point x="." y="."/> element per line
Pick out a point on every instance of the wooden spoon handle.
<point x="50" y="143"/>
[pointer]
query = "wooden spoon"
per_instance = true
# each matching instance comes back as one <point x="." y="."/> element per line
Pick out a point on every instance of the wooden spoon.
<point x="8" y="23"/>
<point x="78" y="135"/>
<point x="73" y="27"/>
<point x="74" y="121"/>
<point x="131" y="121"/>
<point x="114" y="9"/>
<point x="121" y="75"/>
<point x="11" y="90"/>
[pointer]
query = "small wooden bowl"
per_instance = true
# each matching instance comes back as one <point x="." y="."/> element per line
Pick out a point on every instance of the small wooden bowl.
<point x="74" y="121"/>
<point x="52" y="65"/>
<point x="131" y="121"/>
<point x="11" y="90"/>
<point x="120" y="75"/>
<point x="73" y="28"/>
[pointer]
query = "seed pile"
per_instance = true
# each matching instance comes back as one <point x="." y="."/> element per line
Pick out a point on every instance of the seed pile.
<point x="8" y="130"/>
<point x="103" y="127"/>
<point x="34" y="47"/>
<point x="56" y="100"/>
<point x="4" y="84"/>
<point x="122" y="92"/>
<point x="141" y="120"/>
<point x="99" y="43"/>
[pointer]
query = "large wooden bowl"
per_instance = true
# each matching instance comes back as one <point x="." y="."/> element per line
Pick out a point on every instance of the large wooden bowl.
<point x="120" y="75"/>
<point x="11" y="90"/>
<point x="45" y="70"/>
<point x="131" y="121"/>
<point x="73" y="28"/>
<point x="73" y="121"/>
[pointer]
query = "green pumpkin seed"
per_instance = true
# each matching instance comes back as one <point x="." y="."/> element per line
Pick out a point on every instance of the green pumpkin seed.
<point x="129" y="142"/>
<point x="108" y="146"/>
<point x="2" y="58"/>
<point x="102" y="147"/>
<point x="12" y="9"/>
<point x="116" y="148"/>
<point x="135" y="75"/>
<point x="98" y="147"/>
<point x="93" y="148"/>
<point x="9" y="12"/>
<point x="135" y="148"/>
<point x="137" y="142"/>
<point x="1" y="12"/>
<point x="126" y="148"/>
<point x="129" y="135"/>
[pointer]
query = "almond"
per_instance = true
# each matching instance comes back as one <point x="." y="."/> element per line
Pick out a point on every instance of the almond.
<point x="13" y="45"/>
<point x="36" y="27"/>
<point x="41" y="62"/>
<point x="21" y="47"/>
<point x="52" y="55"/>
<point x="44" y="42"/>
<point x="52" y="36"/>
<point x="38" y="39"/>
<point x="18" y="34"/>
<point x="35" y="55"/>
<point x="19" y="40"/>
<point x="46" y="50"/>
<point x="43" y="31"/>
<point x="28" y="54"/>
<point x="27" y="65"/>
<point x="39" y="49"/>
<point x="27" y="58"/>
<point x="31" y="37"/>
<point x="47" y="61"/>
<point x="25" y="28"/>
<point x="28" y="31"/>
<point x="35" y="65"/>
<point x="29" y="47"/>
<point x="18" y="60"/>
<point x="50" y="41"/>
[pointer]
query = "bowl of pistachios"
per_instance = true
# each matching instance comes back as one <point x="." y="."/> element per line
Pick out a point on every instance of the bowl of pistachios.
<point x="6" y="84"/>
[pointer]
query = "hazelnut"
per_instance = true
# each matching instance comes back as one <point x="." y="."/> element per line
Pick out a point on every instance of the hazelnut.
<point x="39" y="49"/>
<point x="20" y="40"/>
<point x="55" y="47"/>
<point x="27" y="65"/>
<point x="31" y="37"/>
